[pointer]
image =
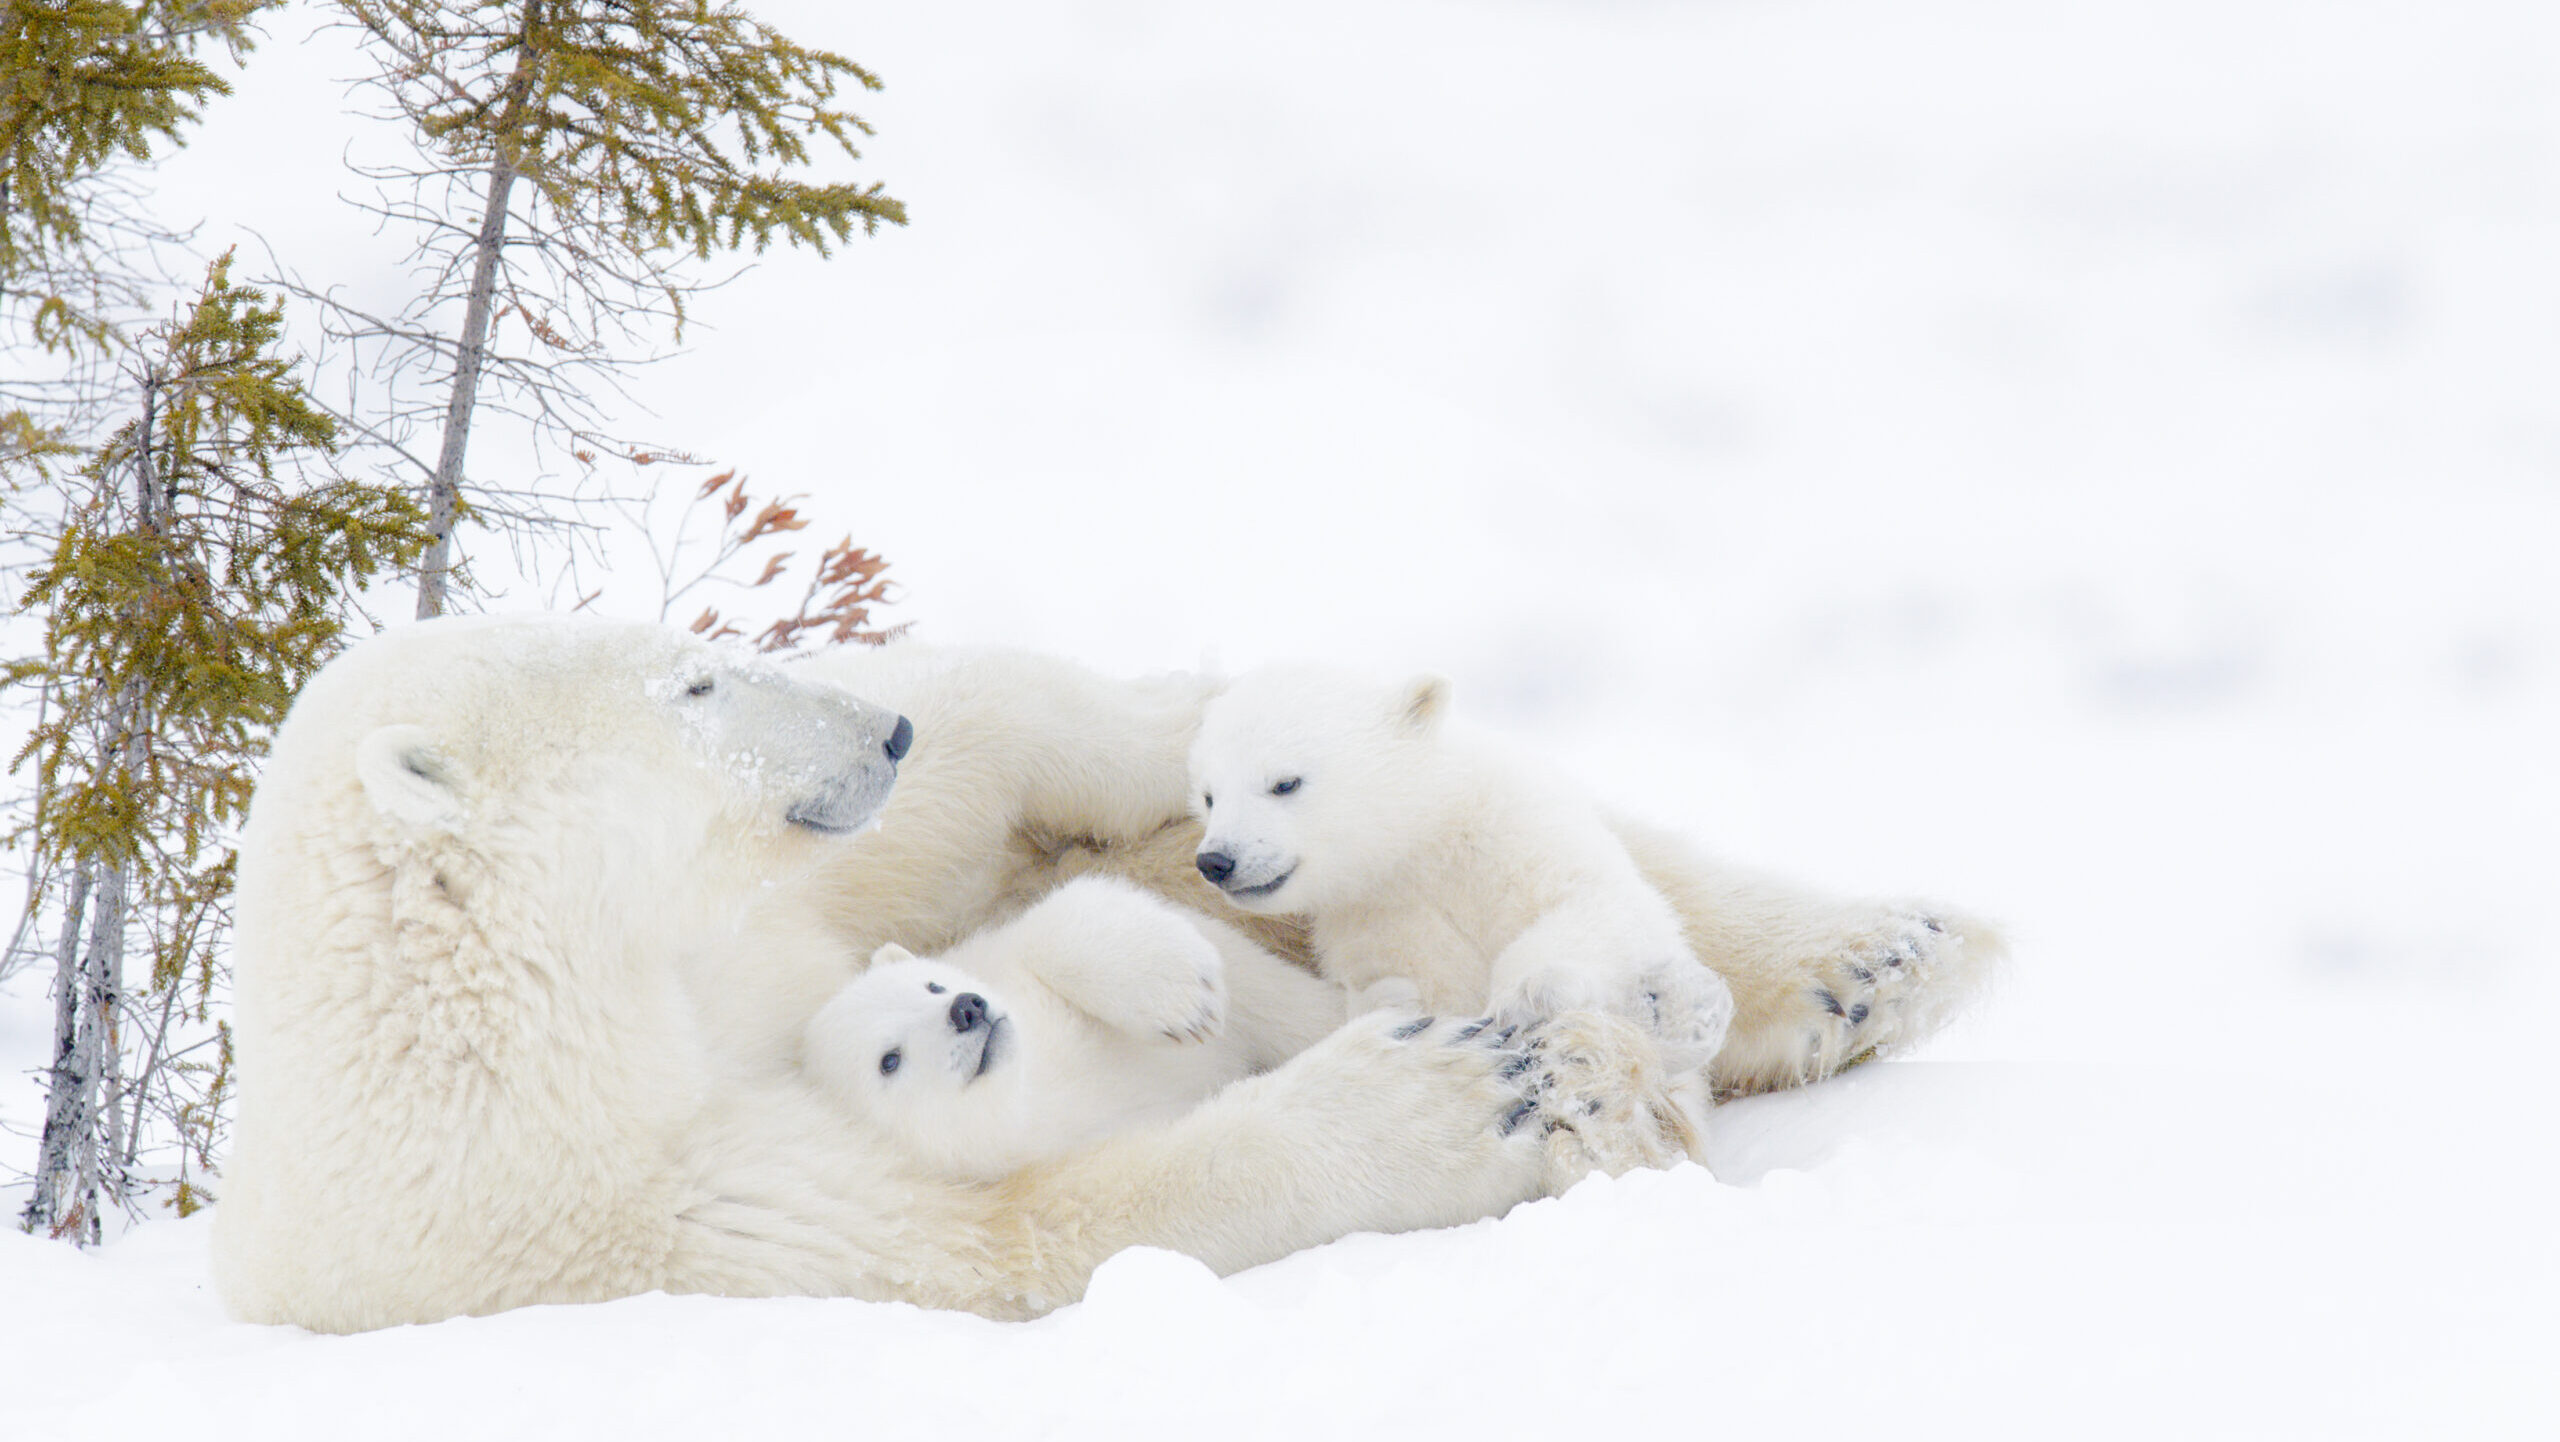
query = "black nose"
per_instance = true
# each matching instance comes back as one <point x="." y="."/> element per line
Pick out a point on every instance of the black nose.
<point x="968" y="1012"/>
<point x="1217" y="866"/>
<point x="900" y="738"/>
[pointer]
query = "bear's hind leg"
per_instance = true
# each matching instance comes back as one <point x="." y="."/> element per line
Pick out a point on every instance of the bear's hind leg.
<point x="1817" y="983"/>
<point x="1879" y="980"/>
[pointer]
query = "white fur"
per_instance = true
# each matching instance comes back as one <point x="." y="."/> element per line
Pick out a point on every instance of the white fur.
<point x="518" y="1022"/>
<point x="521" y="1023"/>
<point x="1099" y="1009"/>
<point x="1485" y="883"/>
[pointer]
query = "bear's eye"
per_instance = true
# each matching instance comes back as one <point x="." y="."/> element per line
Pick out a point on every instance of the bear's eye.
<point x="1207" y="800"/>
<point x="1287" y="784"/>
<point x="701" y="687"/>
<point x="934" y="986"/>
<point x="889" y="1063"/>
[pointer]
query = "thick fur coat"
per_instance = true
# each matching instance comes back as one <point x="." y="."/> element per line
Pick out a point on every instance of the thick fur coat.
<point x="533" y="915"/>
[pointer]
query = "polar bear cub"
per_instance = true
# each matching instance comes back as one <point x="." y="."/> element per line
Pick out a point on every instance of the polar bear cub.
<point x="1100" y="1008"/>
<point x="1419" y="860"/>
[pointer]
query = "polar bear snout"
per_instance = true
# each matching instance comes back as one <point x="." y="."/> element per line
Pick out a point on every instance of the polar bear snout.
<point x="1248" y="881"/>
<point x="852" y="797"/>
<point x="980" y="1030"/>
<point x="834" y="763"/>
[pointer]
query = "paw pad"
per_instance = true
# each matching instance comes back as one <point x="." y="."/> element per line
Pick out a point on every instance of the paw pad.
<point x="1869" y="981"/>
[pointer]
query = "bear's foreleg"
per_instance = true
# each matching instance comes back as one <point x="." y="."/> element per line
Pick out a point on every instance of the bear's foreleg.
<point x="1390" y="1124"/>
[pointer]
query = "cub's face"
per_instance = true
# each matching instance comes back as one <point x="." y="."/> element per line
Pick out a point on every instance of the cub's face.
<point x="1309" y="784"/>
<point x="916" y="1040"/>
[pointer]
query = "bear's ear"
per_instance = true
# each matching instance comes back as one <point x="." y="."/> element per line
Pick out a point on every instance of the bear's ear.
<point x="1424" y="700"/>
<point x="890" y="954"/>
<point x="407" y="780"/>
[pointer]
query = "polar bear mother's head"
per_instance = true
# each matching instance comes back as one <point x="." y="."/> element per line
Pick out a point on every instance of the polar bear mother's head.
<point x="481" y="855"/>
<point x="586" y="746"/>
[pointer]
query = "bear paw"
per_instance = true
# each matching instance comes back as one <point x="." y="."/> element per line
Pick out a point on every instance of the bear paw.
<point x="1688" y="1009"/>
<point x="1430" y="1116"/>
<point x="1501" y="1057"/>
<point x="1179" y="992"/>
<point x="1685" y="1007"/>
<point x="1607" y="1102"/>
<point x="1861" y="993"/>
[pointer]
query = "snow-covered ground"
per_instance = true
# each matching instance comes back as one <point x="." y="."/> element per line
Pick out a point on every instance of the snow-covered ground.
<point x="2097" y="463"/>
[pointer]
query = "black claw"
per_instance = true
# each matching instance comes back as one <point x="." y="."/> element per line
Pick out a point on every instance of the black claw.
<point x="1504" y="1036"/>
<point x="1512" y="1120"/>
<point x="1931" y="922"/>
<point x="1861" y="973"/>
<point x="1469" y="1030"/>
<point x="1831" y="1004"/>
<point x="1894" y="960"/>
<point x="1517" y="1065"/>
<point x="1591" y="1108"/>
<point x="1413" y="1028"/>
<point x="1857" y="1013"/>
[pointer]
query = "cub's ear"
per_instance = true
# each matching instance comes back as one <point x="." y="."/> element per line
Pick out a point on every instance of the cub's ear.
<point x="407" y="779"/>
<point x="1423" y="702"/>
<point x="891" y="953"/>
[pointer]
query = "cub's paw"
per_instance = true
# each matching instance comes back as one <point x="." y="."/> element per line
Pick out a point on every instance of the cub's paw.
<point x="1177" y="988"/>
<point x="1682" y="1005"/>
<point x="1687" y="1010"/>
<point x="1606" y="1101"/>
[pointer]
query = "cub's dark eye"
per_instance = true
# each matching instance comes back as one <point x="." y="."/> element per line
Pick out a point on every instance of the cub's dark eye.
<point x="700" y="688"/>
<point x="1287" y="784"/>
<point x="1207" y="800"/>
<point x="934" y="986"/>
<point x="889" y="1063"/>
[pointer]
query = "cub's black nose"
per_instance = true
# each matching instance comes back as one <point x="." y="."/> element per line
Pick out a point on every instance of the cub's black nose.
<point x="900" y="739"/>
<point x="1217" y="866"/>
<point x="968" y="1012"/>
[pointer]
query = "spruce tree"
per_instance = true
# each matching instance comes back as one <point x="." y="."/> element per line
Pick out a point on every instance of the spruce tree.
<point x="202" y="575"/>
<point x="575" y="158"/>
<point x="88" y="90"/>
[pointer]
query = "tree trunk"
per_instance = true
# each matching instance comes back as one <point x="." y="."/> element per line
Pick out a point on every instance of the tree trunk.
<point x="80" y="1156"/>
<point x="444" y="492"/>
<point x="57" y="1169"/>
<point x="79" y="1162"/>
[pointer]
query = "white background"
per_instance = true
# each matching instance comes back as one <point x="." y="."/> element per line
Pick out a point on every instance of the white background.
<point x="2098" y="464"/>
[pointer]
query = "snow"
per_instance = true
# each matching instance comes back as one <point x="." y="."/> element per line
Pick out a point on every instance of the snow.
<point x="1931" y="1249"/>
<point x="2093" y="463"/>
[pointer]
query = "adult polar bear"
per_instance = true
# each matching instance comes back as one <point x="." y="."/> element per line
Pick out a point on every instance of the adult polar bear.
<point x="531" y="911"/>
